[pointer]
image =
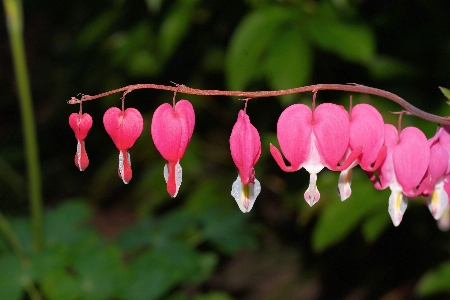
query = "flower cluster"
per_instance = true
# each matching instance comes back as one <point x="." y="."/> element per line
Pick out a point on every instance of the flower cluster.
<point x="310" y="138"/>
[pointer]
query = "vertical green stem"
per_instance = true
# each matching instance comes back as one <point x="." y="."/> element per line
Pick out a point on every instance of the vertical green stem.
<point x="14" y="18"/>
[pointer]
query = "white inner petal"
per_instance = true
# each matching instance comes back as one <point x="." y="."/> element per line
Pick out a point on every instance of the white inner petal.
<point x="397" y="203"/>
<point x="79" y="155"/>
<point x="438" y="200"/>
<point x="245" y="196"/>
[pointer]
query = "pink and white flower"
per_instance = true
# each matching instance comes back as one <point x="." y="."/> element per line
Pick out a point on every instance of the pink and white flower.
<point x="171" y="131"/>
<point x="313" y="140"/>
<point x="245" y="146"/>
<point x="124" y="127"/>
<point x="81" y="124"/>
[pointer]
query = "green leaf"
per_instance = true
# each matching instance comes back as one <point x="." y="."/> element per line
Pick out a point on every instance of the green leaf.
<point x="289" y="61"/>
<point x="157" y="271"/>
<point x="338" y="218"/>
<point x="65" y="224"/>
<point x="229" y="231"/>
<point x="353" y="42"/>
<point x="213" y="296"/>
<point x="175" y="26"/>
<point x="374" y="226"/>
<point x="101" y="272"/>
<point x="446" y="93"/>
<point x="435" y="281"/>
<point x="60" y="285"/>
<point x="251" y="41"/>
<point x="12" y="278"/>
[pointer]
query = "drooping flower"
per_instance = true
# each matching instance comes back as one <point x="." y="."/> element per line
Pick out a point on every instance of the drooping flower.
<point x="403" y="170"/>
<point x="366" y="129"/>
<point x="438" y="168"/>
<point x="124" y="127"/>
<point x="80" y="124"/>
<point x="171" y="131"/>
<point x="245" y="146"/>
<point x="313" y="140"/>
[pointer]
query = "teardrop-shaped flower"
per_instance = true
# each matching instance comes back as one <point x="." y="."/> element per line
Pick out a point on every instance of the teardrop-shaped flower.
<point x="313" y="140"/>
<point x="366" y="129"/>
<point x="436" y="196"/>
<point x="245" y="146"/>
<point x="124" y="127"/>
<point x="80" y="124"/>
<point x="171" y="131"/>
<point x="403" y="170"/>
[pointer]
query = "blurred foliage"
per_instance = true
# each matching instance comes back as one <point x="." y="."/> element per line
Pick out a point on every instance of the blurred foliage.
<point x="105" y="240"/>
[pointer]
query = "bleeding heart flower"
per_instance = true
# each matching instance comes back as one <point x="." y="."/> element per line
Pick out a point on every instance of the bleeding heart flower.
<point x="367" y="130"/>
<point x="406" y="162"/>
<point x="313" y="140"/>
<point x="245" y="146"/>
<point x="80" y="124"/>
<point x="171" y="131"/>
<point x="124" y="127"/>
<point x="436" y="196"/>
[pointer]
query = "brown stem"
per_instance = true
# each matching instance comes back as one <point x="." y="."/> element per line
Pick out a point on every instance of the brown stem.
<point x="355" y="88"/>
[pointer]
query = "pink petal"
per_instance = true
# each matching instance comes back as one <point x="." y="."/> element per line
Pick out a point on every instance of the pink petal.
<point x="124" y="128"/>
<point x="386" y="170"/>
<point x="81" y="157"/>
<point x="245" y="146"/>
<point x="436" y="167"/>
<point x="80" y="125"/>
<point x="366" y="128"/>
<point x="331" y="128"/>
<point x="410" y="158"/>
<point x="294" y="136"/>
<point x="172" y="129"/>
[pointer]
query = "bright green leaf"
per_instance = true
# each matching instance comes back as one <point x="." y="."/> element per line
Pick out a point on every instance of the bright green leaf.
<point x="446" y="93"/>
<point x="251" y="41"/>
<point x="435" y="281"/>
<point x="289" y="61"/>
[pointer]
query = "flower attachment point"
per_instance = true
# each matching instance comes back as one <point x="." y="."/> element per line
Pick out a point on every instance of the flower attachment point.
<point x="245" y="146"/>
<point x="171" y="130"/>
<point x="80" y="124"/>
<point x="124" y="127"/>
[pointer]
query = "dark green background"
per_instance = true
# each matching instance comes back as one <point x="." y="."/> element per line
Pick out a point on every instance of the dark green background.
<point x="107" y="240"/>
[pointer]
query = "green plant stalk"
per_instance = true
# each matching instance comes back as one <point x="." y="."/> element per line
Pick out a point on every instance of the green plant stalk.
<point x="14" y="19"/>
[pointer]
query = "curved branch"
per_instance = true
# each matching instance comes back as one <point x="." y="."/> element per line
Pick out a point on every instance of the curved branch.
<point x="355" y="88"/>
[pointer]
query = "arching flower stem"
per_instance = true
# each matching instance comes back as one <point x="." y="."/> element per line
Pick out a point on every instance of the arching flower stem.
<point x="354" y="88"/>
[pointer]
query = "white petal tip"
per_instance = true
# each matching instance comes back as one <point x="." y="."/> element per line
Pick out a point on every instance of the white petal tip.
<point x="397" y="206"/>
<point x="245" y="195"/>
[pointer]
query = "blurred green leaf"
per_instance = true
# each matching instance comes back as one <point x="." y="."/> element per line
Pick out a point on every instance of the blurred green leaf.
<point x="229" y="231"/>
<point x="446" y="93"/>
<point x="65" y="223"/>
<point x="375" y="224"/>
<point x="338" y="218"/>
<point x="175" y="26"/>
<point x="385" y="68"/>
<point x="251" y="41"/>
<point x="137" y="236"/>
<point x="12" y="277"/>
<point x="289" y="62"/>
<point x="97" y="29"/>
<point x="101" y="272"/>
<point x="157" y="271"/>
<point x="60" y="285"/>
<point x="353" y="42"/>
<point x="435" y="281"/>
<point x="213" y="296"/>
